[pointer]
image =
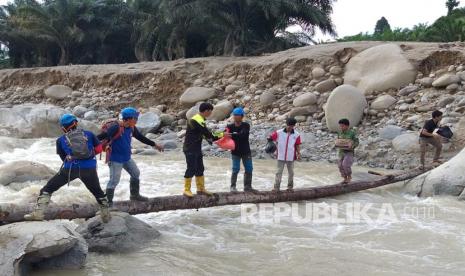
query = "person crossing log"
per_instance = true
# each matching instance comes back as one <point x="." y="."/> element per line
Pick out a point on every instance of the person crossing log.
<point x="10" y="213"/>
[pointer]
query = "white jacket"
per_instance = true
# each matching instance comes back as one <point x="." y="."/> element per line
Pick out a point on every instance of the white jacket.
<point x="286" y="144"/>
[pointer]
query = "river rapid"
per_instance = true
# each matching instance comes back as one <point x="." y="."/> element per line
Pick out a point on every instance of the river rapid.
<point x="414" y="237"/>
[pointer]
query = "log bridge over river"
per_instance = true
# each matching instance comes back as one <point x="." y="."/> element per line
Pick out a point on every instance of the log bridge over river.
<point x="10" y="213"/>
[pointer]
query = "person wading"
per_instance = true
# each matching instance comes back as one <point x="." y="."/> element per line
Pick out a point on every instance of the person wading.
<point x="118" y="139"/>
<point x="77" y="149"/>
<point x="239" y="132"/>
<point x="288" y="140"/>
<point x="346" y="142"/>
<point x="428" y="136"/>
<point x="195" y="133"/>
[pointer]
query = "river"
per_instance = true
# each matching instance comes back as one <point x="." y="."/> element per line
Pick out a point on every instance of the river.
<point x="420" y="237"/>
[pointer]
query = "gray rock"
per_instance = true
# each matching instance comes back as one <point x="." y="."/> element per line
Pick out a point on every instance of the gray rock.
<point x="335" y="70"/>
<point x="221" y="111"/>
<point x="192" y="111"/>
<point x="48" y="245"/>
<point x="76" y="94"/>
<point x="90" y="115"/>
<point x="169" y="144"/>
<point x="427" y="82"/>
<point x="445" y="101"/>
<point x="406" y="143"/>
<point x="305" y="100"/>
<point x="325" y="86"/>
<point x="383" y="102"/>
<point x="231" y="88"/>
<point x="318" y="72"/>
<point x="390" y="132"/>
<point x="58" y="92"/>
<point x="90" y="126"/>
<point x="408" y="90"/>
<point x="122" y="234"/>
<point x="166" y="119"/>
<point x="24" y="171"/>
<point x="267" y="98"/>
<point x="303" y="111"/>
<point x="168" y="136"/>
<point x="445" y="80"/>
<point x="31" y="120"/>
<point x="148" y="122"/>
<point x="195" y="94"/>
<point x="79" y="111"/>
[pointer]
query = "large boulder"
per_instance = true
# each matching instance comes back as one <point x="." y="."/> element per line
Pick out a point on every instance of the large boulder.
<point x="46" y="245"/>
<point x="196" y="94"/>
<point x="406" y="143"/>
<point x="308" y="98"/>
<point x="148" y="122"/>
<point x="447" y="179"/>
<point x="31" y="120"/>
<point x="383" y="102"/>
<point x="23" y="171"/>
<point x="167" y="119"/>
<point x="58" y="92"/>
<point x="122" y="234"/>
<point x="79" y="111"/>
<point x="90" y="126"/>
<point x="347" y="102"/>
<point x="221" y="111"/>
<point x="380" y="68"/>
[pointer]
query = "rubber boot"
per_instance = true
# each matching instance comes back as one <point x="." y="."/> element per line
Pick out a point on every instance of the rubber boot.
<point x="233" y="188"/>
<point x="104" y="210"/>
<point x="200" y="182"/>
<point x="38" y="214"/>
<point x="187" y="187"/>
<point x="110" y="194"/>
<point x="134" y="189"/>
<point x="248" y="183"/>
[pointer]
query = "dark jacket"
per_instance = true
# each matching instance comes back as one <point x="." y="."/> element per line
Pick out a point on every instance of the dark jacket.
<point x="240" y="135"/>
<point x="196" y="131"/>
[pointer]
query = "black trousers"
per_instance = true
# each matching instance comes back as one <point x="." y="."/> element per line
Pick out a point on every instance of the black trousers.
<point x="194" y="164"/>
<point x="88" y="176"/>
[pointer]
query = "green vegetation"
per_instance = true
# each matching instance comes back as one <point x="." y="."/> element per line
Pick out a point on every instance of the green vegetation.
<point x="445" y="29"/>
<point x="60" y="32"/>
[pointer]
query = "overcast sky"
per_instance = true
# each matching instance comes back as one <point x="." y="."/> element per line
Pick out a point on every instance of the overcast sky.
<point x="355" y="16"/>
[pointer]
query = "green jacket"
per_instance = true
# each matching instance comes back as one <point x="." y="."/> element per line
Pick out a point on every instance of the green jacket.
<point x="349" y="134"/>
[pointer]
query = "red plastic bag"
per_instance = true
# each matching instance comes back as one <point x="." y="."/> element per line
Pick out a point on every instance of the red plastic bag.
<point x="226" y="143"/>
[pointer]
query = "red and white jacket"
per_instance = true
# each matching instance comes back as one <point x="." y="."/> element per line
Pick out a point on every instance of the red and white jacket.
<point x="287" y="143"/>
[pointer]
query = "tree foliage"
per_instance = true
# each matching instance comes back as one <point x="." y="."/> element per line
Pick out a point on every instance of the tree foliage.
<point x="382" y="25"/>
<point x="60" y="32"/>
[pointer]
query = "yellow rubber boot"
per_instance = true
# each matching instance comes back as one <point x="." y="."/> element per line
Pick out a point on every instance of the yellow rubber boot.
<point x="187" y="187"/>
<point x="200" y="181"/>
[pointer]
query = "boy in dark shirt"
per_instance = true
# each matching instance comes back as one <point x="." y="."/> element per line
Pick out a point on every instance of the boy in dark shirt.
<point x="427" y="136"/>
<point x="239" y="132"/>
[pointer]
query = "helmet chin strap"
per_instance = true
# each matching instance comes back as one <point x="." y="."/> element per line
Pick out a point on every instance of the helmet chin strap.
<point x="66" y="129"/>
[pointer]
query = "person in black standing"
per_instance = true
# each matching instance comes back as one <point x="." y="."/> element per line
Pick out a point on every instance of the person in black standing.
<point x="239" y="132"/>
<point x="427" y="136"/>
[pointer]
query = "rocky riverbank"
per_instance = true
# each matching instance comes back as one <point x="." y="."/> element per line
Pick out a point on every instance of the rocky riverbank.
<point x="386" y="90"/>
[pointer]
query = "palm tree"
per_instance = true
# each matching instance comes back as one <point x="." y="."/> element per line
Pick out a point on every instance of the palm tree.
<point x="451" y="5"/>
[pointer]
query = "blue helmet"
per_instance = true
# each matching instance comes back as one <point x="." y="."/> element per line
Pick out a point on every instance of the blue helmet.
<point x="238" y="111"/>
<point x="129" y="112"/>
<point x="67" y="120"/>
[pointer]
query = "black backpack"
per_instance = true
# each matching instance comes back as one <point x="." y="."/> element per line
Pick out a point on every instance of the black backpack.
<point x="270" y="147"/>
<point x="77" y="141"/>
<point x="445" y="132"/>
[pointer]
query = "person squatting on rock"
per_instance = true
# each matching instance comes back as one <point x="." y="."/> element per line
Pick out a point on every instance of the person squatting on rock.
<point x="239" y="132"/>
<point x="346" y="143"/>
<point x="288" y="140"/>
<point x="117" y="139"/>
<point x="197" y="131"/>
<point x="77" y="149"/>
<point x="428" y="136"/>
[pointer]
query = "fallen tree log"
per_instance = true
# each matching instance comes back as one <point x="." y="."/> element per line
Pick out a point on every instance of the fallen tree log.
<point x="10" y="213"/>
